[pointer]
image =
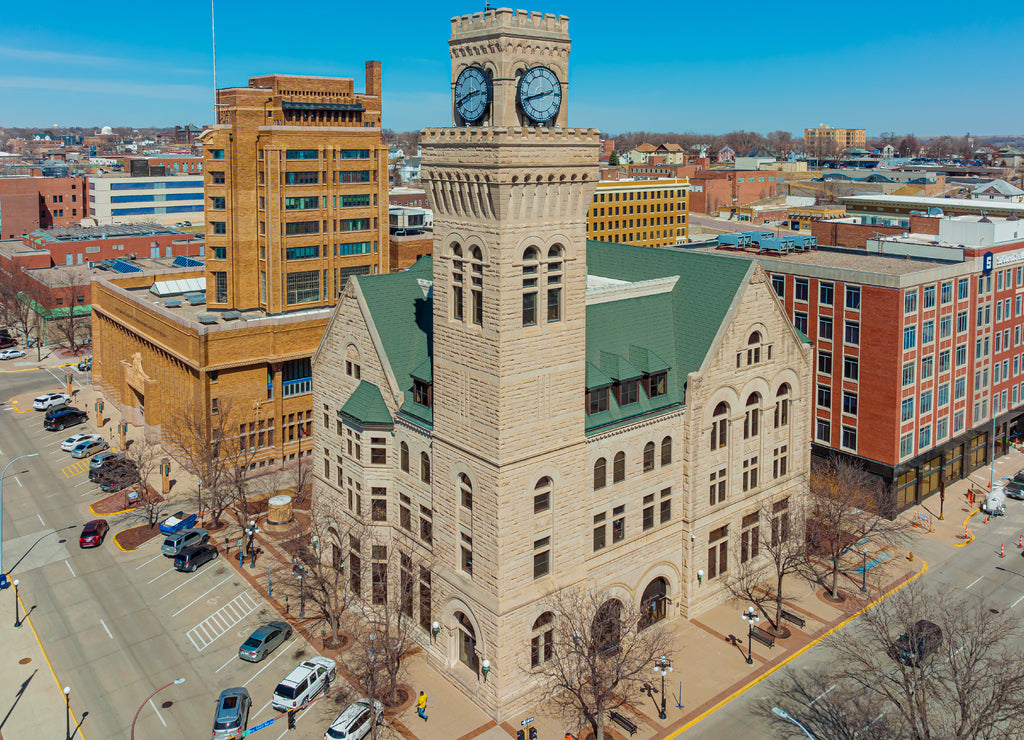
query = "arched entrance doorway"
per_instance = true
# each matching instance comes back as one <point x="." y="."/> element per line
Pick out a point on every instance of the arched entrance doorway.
<point x="466" y="637"/>
<point x="607" y="626"/>
<point x="654" y="603"/>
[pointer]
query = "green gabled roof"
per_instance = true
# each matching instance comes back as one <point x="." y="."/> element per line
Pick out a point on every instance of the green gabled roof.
<point x="367" y="406"/>
<point x="618" y="367"/>
<point x="403" y="317"/>
<point x="424" y="371"/>
<point x="646" y="360"/>
<point x="596" y="377"/>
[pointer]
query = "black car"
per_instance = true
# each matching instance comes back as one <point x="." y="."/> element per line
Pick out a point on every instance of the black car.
<point x="917" y="643"/>
<point x="7" y="343"/>
<point x="64" y="418"/>
<point x="56" y="409"/>
<point x="191" y="558"/>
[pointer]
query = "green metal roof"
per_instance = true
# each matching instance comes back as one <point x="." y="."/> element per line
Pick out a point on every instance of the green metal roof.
<point x="596" y="377"/>
<point x="366" y="406"/>
<point x="424" y="371"/>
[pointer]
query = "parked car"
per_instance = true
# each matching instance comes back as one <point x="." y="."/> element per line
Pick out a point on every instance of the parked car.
<point x="12" y="354"/>
<point x="65" y="418"/>
<point x="231" y="718"/>
<point x="93" y="533"/>
<point x="917" y="643"/>
<point x="104" y="459"/>
<point x="89" y="448"/>
<point x="75" y="439"/>
<point x="355" y="722"/>
<point x="1014" y="489"/>
<point x="55" y="409"/>
<point x="8" y="341"/>
<point x="264" y="641"/>
<point x="306" y="681"/>
<point x="178" y="541"/>
<point x="45" y="401"/>
<point x="177" y="522"/>
<point x="191" y="558"/>
<point x="85" y="364"/>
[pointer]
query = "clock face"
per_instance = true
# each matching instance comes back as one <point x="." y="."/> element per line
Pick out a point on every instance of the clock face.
<point x="472" y="94"/>
<point x="539" y="94"/>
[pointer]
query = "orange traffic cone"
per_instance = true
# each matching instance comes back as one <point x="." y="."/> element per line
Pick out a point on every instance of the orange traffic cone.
<point x="986" y="519"/>
<point x="1002" y="551"/>
<point x="1021" y="542"/>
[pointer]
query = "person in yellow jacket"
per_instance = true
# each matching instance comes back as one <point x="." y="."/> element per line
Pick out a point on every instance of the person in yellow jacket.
<point x="421" y="705"/>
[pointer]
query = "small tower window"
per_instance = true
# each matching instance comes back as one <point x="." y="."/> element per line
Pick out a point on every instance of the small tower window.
<point x="458" y="288"/>
<point x="477" y="287"/>
<point x="531" y="260"/>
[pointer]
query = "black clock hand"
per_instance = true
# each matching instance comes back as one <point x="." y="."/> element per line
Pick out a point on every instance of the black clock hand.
<point x="538" y="95"/>
<point x="468" y="95"/>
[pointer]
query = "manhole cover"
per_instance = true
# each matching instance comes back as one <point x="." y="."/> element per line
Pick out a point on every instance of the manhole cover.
<point x="24" y="661"/>
<point x="61" y="541"/>
<point x="167" y="705"/>
<point x="994" y="611"/>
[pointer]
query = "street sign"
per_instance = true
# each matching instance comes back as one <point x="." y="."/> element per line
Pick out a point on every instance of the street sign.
<point x="526" y="722"/>
<point x="260" y="726"/>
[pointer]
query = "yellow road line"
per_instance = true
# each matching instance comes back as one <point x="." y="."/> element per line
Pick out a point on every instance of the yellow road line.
<point x="14" y="405"/>
<point x="799" y="652"/>
<point x="76" y="468"/>
<point x="60" y="686"/>
<point x="116" y="513"/>
<point x="970" y="539"/>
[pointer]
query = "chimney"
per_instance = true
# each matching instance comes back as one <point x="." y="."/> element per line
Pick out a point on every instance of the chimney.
<point x="373" y="78"/>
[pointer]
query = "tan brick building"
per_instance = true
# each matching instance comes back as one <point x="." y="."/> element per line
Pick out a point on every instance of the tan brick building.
<point x="295" y="202"/>
<point x="529" y="411"/>
<point x="648" y="213"/>
<point x="826" y="140"/>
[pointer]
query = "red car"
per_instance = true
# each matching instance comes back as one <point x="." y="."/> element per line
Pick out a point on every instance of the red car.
<point x="93" y="533"/>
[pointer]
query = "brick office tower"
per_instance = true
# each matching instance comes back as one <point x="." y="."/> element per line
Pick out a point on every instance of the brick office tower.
<point x="294" y="169"/>
<point x="529" y="411"/>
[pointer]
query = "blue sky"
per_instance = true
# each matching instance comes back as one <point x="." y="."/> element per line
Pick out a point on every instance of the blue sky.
<point x="928" y="68"/>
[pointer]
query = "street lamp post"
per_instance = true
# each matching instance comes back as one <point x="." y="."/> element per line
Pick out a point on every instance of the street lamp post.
<point x="782" y="713"/>
<point x="664" y="666"/>
<point x="751" y="619"/>
<point x="864" y="571"/>
<point x="137" y="711"/>
<point x="67" y="714"/>
<point x="3" y="474"/>
<point x="17" y="617"/>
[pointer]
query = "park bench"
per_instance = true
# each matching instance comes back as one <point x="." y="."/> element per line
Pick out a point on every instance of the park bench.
<point x="794" y="618"/>
<point x="763" y="636"/>
<point x="624" y="722"/>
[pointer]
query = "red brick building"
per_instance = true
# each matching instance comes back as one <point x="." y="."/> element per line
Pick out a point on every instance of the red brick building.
<point x="30" y="203"/>
<point x="80" y="246"/>
<point x="714" y="189"/>
<point x="920" y="353"/>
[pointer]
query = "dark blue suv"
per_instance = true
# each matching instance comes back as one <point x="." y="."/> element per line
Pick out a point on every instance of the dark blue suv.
<point x="64" y="418"/>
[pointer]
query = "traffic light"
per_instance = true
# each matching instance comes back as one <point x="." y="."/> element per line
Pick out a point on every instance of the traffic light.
<point x="520" y="735"/>
<point x="291" y="719"/>
<point x="533" y="733"/>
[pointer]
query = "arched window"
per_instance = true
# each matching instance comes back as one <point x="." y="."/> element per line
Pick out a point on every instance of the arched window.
<point x="600" y="468"/>
<point x="606" y="629"/>
<point x="542" y="495"/>
<point x="404" y="456"/>
<point x="666" y="451"/>
<point x="648" y="457"/>
<point x="619" y="467"/>
<point x="542" y="643"/>
<point x="352" y="367"/>
<point x="467" y="642"/>
<point x="424" y="467"/>
<point x="458" y="284"/>
<point x="531" y="265"/>
<point x="782" y="406"/>
<point x="466" y="491"/>
<point x="753" y="413"/>
<point x="654" y="602"/>
<point x="476" y="263"/>
<point x="754" y="348"/>
<point x="720" y="427"/>
<point x="554" y="284"/>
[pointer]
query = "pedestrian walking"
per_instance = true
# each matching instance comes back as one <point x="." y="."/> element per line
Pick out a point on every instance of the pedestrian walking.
<point x="421" y="705"/>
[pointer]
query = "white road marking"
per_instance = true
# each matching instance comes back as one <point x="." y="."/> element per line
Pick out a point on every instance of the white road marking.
<point x="105" y="626"/>
<point x="21" y="486"/>
<point x="1017" y="602"/>
<point x="230" y="661"/>
<point x="819" y="696"/>
<point x="183" y="583"/>
<point x="206" y="632"/>
<point x="270" y="662"/>
<point x="169" y="570"/>
<point x="158" y="715"/>
<point x="282" y="734"/>
<point x="69" y="568"/>
<point x="149" y="561"/>
<point x="82" y="483"/>
<point x="200" y="596"/>
<point x="263" y="708"/>
<point x="95" y="490"/>
<point x="973" y="582"/>
<point x="41" y="519"/>
<point x="58" y="450"/>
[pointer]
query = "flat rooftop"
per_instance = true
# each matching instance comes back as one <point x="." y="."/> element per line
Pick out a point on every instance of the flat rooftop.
<point x="913" y="200"/>
<point x="841" y="259"/>
<point x="90" y="233"/>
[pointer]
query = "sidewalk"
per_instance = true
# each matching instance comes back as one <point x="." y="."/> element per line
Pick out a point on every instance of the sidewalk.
<point x="31" y="702"/>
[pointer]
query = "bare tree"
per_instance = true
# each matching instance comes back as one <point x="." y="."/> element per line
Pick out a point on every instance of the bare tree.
<point x="891" y="679"/>
<point x="766" y="559"/>
<point x="70" y="329"/>
<point x="141" y="462"/>
<point x="21" y="300"/>
<point x="596" y="656"/>
<point x="845" y="504"/>
<point x="300" y="473"/>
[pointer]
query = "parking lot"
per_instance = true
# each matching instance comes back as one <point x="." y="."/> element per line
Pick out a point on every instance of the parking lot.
<point x="118" y="625"/>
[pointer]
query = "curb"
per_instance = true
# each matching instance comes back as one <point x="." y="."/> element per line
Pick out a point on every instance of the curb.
<point x="14" y="405"/>
<point x="113" y="513"/>
<point x="118" y="543"/>
<point x="970" y="539"/>
<point x="792" y="657"/>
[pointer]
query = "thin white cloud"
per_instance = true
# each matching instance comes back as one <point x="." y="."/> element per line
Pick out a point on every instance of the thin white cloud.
<point x="107" y="87"/>
<point x="45" y="56"/>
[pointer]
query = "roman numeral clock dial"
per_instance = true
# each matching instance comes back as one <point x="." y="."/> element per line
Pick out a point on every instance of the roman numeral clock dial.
<point x="472" y="94"/>
<point x="539" y="94"/>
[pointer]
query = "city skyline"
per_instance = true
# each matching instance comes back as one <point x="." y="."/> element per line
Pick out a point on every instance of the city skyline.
<point x="770" y="72"/>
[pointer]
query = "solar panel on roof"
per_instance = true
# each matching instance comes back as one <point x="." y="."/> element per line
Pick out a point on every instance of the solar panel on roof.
<point x="124" y="267"/>
<point x="181" y="261"/>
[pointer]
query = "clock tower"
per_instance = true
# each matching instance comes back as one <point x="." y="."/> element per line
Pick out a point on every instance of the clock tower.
<point x="510" y="186"/>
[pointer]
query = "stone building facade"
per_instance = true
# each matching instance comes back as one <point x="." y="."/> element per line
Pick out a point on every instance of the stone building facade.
<point x="528" y="411"/>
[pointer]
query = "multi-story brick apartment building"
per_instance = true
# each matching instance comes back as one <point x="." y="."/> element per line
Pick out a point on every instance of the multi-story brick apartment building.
<point x="920" y="354"/>
<point x="528" y="411"/>
<point x="30" y="203"/>
<point x="649" y="213"/>
<point x="827" y="140"/>
<point x="294" y="189"/>
<point x="711" y="190"/>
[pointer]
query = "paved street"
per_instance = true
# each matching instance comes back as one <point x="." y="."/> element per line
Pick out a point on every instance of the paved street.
<point x="115" y="625"/>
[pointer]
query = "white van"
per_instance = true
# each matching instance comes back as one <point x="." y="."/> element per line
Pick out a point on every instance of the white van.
<point x="304" y="683"/>
<point x="995" y="501"/>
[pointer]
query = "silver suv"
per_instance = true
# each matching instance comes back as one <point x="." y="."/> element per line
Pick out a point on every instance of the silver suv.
<point x="178" y="541"/>
<point x="232" y="715"/>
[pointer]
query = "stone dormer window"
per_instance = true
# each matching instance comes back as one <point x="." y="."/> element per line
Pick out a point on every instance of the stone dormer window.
<point x="628" y="391"/>
<point x="597" y="400"/>
<point x="422" y="392"/>
<point x="657" y="384"/>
